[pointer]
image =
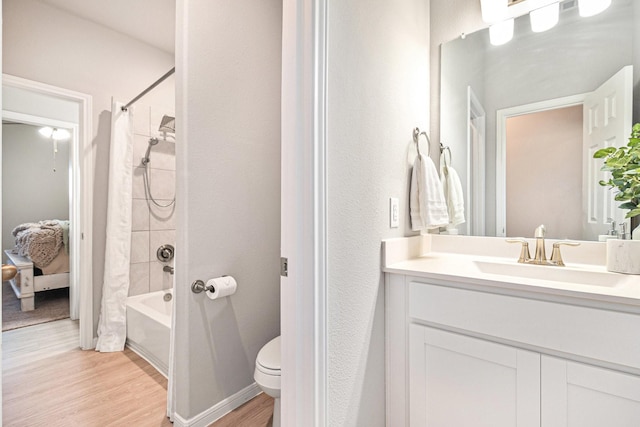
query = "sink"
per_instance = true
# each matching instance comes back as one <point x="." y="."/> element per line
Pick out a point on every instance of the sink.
<point x="551" y="273"/>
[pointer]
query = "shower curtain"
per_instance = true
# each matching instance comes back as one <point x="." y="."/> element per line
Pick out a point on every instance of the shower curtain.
<point x="112" y="328"/>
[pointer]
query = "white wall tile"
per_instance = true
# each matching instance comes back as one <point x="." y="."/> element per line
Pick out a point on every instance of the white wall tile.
<point x="160" y="279"/>
<point x="138" y="183"/>
<point x="140" y="216"/>
<point x="139" y="247"/>
<point x="139" y="279"/>
<point x="162" y="218"/>
<point x="162" y="183"/>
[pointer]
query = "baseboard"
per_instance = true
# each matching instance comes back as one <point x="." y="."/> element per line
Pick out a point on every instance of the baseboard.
<point x="219" y="410"/>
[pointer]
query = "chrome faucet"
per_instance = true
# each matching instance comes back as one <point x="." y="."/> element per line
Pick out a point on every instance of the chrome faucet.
<point x="168" y="269"/>
<point x="540" y="257"/>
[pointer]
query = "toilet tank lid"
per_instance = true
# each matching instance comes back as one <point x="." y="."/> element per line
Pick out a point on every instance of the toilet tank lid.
<point x="269" y="355"/>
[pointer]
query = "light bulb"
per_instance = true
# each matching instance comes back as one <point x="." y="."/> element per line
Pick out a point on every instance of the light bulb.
<point x="54" y="133"/>
<point x="46" y="131"/>
<point x="501" y="32"/>
<point x="588" y="8"/>
<point x="545" y="18"/>
<point x="60" y="134"/>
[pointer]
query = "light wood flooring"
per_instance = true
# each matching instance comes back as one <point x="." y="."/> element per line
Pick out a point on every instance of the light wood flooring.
<point x="48" y="381"/>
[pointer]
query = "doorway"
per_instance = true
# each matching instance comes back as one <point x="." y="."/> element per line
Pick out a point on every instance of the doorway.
<point x="33" y="103"/>
<point x="606" y="121"/>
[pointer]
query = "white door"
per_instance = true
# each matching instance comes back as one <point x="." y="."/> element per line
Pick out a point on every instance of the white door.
<point x="575" y="394"/>
<point x="455" y="380"/>
<point x="607" y="123"/>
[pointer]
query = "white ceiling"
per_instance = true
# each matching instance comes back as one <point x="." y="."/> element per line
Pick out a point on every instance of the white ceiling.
<point x="151" y="21"/>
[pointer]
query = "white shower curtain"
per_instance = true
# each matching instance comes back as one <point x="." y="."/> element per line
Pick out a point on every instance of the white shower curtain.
<point x="112" y="328"/>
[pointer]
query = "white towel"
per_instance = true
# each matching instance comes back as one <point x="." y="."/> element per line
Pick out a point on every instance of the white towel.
<point x="426" y="199"/>
<point x="452" y="189"/>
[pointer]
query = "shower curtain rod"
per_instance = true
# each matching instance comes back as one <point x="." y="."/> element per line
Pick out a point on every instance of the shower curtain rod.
<point x="144" y="92"/>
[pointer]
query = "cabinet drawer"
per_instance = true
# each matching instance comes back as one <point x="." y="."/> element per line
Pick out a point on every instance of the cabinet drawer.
<point x="601" y="335"/>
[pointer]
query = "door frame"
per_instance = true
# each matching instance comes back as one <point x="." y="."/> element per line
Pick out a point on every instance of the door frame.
<point x="81" y="207"/>
<point x="476" y="166"/>
<point x="501" y="147"/>
<point x="304" y="213"/>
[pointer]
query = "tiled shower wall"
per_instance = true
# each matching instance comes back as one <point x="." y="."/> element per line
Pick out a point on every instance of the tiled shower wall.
<point x="152" y="226"/>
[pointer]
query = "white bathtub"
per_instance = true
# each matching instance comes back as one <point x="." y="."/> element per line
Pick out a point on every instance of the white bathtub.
<point x="149" y="328"/>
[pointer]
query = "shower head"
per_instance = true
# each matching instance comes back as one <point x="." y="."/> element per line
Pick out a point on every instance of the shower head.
<point x="167" y="124"/>
<point x="146" y="159"/>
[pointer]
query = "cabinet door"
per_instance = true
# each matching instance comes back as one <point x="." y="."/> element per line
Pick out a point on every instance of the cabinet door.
<point x="456" y="380"/>
<point x="579" y="395"/>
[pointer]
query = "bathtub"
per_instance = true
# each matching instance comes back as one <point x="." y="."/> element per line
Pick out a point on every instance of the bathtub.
<point x="149" y="328"/>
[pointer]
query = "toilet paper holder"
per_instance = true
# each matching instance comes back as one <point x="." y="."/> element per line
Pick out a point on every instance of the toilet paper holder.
<point x="198" y="286"/>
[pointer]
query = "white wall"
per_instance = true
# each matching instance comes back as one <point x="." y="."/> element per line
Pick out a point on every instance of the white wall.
<point x="45" y="44"/>
<point x="378" y="91"/>
<point x="32" y="191"/>
<point x="228" y="178"/>
<point x="449" y="19"/>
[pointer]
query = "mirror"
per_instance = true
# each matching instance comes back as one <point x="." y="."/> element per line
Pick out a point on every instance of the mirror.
<point x="487" y="94"/>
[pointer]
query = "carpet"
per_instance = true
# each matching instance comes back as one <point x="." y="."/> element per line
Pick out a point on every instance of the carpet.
<point x="50" y="305"/>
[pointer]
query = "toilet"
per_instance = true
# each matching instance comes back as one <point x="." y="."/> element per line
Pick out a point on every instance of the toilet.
<point x="267" y="374"/>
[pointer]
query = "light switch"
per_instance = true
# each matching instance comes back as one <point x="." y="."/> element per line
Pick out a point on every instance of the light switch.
<point x="394" y="212"/>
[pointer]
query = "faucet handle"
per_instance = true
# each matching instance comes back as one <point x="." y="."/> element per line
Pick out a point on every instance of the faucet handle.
<point x="556" y="257"/>
<point x="524" y="252"/>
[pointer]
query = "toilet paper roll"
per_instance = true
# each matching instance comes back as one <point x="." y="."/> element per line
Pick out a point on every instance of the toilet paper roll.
<point x="222" y="287"/>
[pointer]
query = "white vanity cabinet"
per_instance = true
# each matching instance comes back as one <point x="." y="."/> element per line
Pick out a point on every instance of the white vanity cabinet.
<point x="468" y="355"/>
<point x="576" y="394"/>
<point x="455" y="380"/>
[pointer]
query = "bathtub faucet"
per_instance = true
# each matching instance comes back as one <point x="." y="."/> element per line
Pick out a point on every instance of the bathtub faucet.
<point x="168" y="269"/>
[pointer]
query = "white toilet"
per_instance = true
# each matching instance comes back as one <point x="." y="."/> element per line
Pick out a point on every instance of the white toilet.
<point x="267" y="374"/>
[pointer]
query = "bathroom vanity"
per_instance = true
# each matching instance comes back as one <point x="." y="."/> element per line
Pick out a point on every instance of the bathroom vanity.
<point x="478" y="340"/>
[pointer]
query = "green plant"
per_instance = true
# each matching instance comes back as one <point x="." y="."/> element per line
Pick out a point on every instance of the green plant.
<point x="624" y="165"/>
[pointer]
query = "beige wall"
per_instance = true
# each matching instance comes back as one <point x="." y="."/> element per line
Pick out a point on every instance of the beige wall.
<point x="45" y="44"/>
<point x="544" y="162"/>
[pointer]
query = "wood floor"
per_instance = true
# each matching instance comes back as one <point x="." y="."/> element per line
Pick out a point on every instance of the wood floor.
<point x="48" y="381"/>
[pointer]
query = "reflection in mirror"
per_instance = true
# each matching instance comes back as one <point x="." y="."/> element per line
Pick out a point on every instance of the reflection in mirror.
<point x="486" y="89"/>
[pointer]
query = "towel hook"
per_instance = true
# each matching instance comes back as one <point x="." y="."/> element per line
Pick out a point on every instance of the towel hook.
<point x="444" y="148"/>
<point x="416" y="137"/>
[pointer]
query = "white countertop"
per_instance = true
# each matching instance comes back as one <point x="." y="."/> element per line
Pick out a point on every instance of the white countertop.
<point x="443" y="258"/>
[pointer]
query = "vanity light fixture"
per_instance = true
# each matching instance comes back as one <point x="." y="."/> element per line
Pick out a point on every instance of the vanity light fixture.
<point x="494" y="11"/>
<point x="501" y="32"/>
<point x="545" y="18"/>
<point x="588" y="8"/>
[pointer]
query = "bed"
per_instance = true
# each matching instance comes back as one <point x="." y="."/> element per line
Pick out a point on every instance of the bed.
<point x="41" y="257"/>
